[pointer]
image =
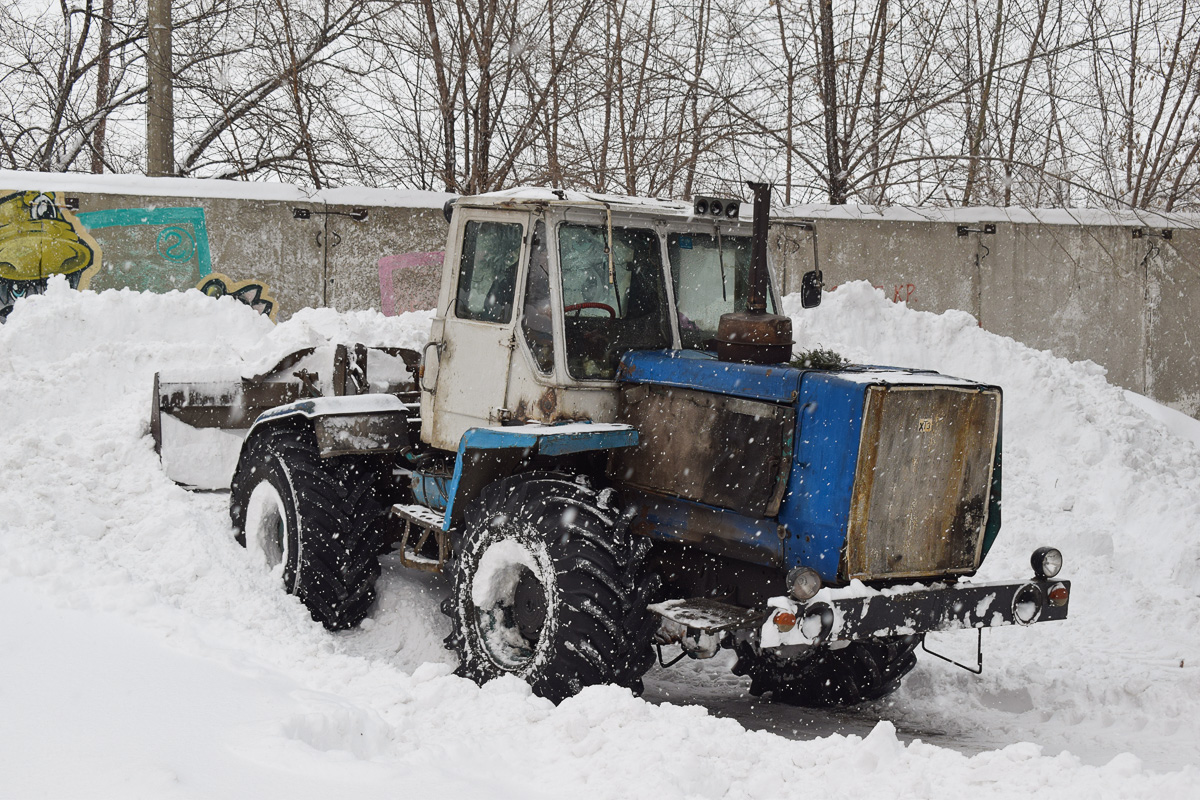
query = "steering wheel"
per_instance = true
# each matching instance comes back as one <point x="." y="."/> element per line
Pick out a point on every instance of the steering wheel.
<point x="612" y="313"/>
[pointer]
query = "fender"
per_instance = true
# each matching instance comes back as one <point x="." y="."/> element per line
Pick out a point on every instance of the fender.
<point x="348" y="425"/>
<point x="491" y="451"/>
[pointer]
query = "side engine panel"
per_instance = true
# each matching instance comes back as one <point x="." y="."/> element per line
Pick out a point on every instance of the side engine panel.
<point x="729" y="452"/>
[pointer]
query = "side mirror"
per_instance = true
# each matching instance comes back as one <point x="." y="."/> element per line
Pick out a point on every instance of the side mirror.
<point x="810" y="288"/>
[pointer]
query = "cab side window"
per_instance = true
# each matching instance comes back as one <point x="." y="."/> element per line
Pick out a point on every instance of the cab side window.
<point x="487" y="271"/>
<point x="536" y="321"/>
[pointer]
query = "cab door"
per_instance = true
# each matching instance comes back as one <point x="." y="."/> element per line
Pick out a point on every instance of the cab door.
<point x="473" y="340"/>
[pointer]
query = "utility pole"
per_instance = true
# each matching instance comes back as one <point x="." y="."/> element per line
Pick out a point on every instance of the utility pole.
<point x="160" y="107"/>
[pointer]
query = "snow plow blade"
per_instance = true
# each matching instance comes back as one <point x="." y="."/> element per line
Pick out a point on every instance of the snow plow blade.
<point x="198" y="422"/>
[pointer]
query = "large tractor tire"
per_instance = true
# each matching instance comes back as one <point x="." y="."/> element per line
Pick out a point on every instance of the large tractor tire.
<point x="825" y="677"/>
<point x="549" y="586"/>
<point x="316" y="516"/>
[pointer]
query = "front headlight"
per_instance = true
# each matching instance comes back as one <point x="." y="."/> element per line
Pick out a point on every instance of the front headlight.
<point x="803" y="583"/>
<point x="1046" y="561"/>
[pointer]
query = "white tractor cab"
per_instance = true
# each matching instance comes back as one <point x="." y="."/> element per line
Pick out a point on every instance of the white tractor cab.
<point x="543" y="291"/>
<point x="607" y="446"/>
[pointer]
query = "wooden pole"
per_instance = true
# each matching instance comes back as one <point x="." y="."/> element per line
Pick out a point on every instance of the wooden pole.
<point x="160" y="110"/>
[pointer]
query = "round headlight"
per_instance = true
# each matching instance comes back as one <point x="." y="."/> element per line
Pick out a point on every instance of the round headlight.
<point x="817" y="622"/>
<point x="1027" y="604"/>
<point x="803" y="583"/>
<point x="1046" y="561"/>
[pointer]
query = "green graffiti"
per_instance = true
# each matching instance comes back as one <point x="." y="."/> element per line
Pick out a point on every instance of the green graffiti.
<point x="153" y="250"/>
<point x="175" y="244"/>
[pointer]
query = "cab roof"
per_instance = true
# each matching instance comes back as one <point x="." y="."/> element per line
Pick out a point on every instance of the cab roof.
<point x="540" y="196"/>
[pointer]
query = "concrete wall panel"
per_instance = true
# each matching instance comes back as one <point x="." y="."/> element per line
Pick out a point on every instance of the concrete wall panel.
<point x="923" y="264"/>
<point x="1173" y="320"/>
<point x="1072" y="290"/>
<point x="1095" y="285"/>
<point x="388" y="256"/>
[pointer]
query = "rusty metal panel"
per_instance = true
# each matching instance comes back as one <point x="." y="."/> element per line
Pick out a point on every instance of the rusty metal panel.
<point x="348" y="434"/>
<point x="724" y="451"/>
<point x="228" y="404"/>
<point x="721" y="532"/>
<point x="920" y="500"/>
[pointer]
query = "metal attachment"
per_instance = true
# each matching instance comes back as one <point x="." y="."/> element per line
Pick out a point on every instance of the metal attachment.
<point x="1162" y="233"/>
<point x="754" y="336"/>
<point x="963" y="230"/>
<point x="356" y="214"/>
<point x="977" y="669"/>
<point x="334" y="241"/>
<point x="673" y="661"/>
<point x="430" y="525"/>
<point x="310" y="381"/>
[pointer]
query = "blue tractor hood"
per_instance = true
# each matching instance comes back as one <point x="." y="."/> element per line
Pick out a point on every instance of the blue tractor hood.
<point x="824" y="451"/>
<point x="691" y="369"/>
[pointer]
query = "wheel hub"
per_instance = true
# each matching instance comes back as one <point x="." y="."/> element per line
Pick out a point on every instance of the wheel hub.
<point x="266" y="526"/>
<point x="529" y="606"/>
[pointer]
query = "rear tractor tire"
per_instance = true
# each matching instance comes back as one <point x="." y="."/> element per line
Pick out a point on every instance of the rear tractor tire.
<point x="824" y="677"/>
<point x="549" y="587"/>
<point x="316" y="516"/>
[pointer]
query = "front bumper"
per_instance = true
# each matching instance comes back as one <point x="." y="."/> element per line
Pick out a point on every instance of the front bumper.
<point x="835" y="615"/>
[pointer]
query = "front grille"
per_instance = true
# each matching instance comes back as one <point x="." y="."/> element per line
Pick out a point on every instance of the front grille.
<point x="920" y="500"/>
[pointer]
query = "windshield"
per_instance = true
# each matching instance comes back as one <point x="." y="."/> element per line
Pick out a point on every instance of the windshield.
<point x="711" y="276"/>
<point x="609" y="310"/>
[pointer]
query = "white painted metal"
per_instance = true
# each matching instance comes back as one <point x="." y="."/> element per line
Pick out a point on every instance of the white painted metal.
<point x="479" y="373"/>
<point x="473" y="356"/>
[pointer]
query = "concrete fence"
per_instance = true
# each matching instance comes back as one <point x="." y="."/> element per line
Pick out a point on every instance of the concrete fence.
<point x="272" y="246"/>
<point x="1120" y="289"/>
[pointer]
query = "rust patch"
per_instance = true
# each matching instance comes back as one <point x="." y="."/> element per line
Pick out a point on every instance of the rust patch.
<point x="545" y="409"/>
<point x="923" y="477"/>
<point x="548" y="403"/>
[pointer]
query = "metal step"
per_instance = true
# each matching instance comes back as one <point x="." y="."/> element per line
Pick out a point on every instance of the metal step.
<point x="705" y="615"/>
<point x="420" y="523"/>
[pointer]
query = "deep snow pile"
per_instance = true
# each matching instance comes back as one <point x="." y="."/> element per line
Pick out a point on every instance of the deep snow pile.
<point x="146" y="655"/>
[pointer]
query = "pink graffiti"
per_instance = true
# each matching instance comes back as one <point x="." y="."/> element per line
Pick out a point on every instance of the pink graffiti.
<point x="389" y="264"/>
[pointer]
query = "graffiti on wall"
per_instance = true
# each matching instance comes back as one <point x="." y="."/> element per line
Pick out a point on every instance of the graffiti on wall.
<point x="39" y="239"/>
<point x="415" y="277"/>
<point x="149" y="250"/>
<point x="252" y="293"/>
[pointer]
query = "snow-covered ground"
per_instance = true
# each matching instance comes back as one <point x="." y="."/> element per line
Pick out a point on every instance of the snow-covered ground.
<point x="144" y="654"/>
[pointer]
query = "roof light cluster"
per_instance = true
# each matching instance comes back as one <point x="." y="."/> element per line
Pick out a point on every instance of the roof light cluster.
<point x="716" y="207"/>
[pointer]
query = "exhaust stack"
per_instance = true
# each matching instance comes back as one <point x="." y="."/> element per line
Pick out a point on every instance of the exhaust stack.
<point x="753" y="336"/>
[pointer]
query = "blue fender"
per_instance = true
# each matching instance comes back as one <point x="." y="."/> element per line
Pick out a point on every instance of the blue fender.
<point x="473" y="469"/>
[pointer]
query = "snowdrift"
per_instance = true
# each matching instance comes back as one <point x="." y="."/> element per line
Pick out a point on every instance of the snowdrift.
<point x="146" y="654"/>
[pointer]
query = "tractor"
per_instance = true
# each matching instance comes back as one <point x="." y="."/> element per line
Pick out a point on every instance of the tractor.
<point x="609" y="448"/>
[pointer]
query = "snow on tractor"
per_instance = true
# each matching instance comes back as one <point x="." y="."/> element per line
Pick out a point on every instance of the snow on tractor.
<point x="607" y="447"/>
